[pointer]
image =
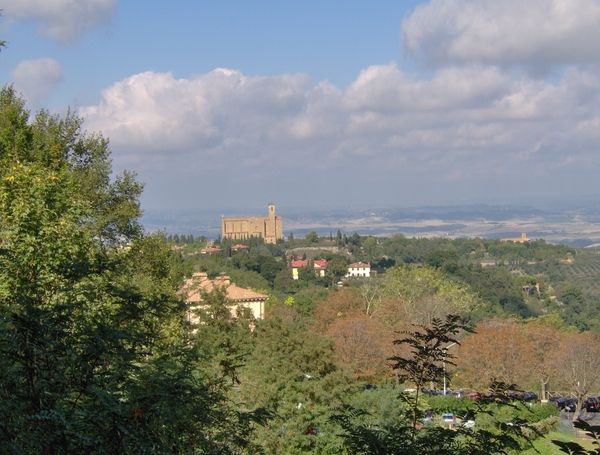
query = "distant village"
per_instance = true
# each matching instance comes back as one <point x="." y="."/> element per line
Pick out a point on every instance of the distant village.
<point x="269" y="229"/>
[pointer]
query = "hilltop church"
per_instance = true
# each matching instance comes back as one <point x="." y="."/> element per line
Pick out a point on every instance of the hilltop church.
<point x="268" y="227"/>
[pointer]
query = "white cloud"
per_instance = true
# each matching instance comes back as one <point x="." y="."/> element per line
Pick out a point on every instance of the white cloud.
<point x="476" y="123"/>
<point x="459" y="117"/>
<point x="533" y="33"/>
<point x="62" y="20"/>
<point x="37" y="78"/>
<point x="383" y="87"/>
<point x="219" y="111"/>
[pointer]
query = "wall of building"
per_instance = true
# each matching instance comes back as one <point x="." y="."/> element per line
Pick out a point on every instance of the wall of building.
<point x="270" y="227"/>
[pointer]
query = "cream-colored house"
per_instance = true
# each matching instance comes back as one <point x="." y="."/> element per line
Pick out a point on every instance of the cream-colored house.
<point x="320" y="266"/>
<point x="237" y="296"/>
<point x="295" y="265"/>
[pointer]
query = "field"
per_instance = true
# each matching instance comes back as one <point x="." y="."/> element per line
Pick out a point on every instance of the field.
<point x="584" y="272"/>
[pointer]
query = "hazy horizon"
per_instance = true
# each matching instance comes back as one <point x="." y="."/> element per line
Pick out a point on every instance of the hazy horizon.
<point x="575" y="223"/>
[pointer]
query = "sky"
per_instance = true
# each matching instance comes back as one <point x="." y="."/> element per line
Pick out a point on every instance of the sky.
<point x="332" y="103"/>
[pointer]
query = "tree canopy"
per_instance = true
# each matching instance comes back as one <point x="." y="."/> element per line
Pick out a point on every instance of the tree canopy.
<point x="95" y="353"/>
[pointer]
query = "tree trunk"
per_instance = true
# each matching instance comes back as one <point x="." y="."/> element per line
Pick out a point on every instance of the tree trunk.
<point x="543" y="384"/>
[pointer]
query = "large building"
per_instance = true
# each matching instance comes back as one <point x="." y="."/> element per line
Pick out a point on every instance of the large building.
<point x="522" y="239"/>
<point x="268" y="227"/>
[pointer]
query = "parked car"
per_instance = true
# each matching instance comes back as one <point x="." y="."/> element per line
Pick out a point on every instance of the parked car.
<point x="427" y="417"/>
<point x="592" y="404"/>
<point x="429" y="392"/>
<point x="516" y="395"/>
<point x="468" y="424"/>
<point x="474" y="396"/>
<point x="448" y="418"/>
<point x="567" y="404"/>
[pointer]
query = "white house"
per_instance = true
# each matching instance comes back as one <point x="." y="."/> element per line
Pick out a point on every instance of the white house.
<point x="359" y="269"/>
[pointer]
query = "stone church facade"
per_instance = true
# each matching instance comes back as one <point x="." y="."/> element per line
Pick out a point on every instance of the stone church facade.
<point x="268" y="227"/>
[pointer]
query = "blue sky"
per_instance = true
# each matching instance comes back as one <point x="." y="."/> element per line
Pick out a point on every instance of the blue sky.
<point x="236" y="103"/>
<point x="331" y="40"/>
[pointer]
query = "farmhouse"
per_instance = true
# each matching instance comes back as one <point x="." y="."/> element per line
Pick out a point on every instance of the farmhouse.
<point x="359" y="269"/>
<point x="319" y="266"/>
<point x="238" y="297"/>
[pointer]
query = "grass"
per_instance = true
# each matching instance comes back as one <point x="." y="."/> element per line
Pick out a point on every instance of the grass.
<point x="544" y="445"/>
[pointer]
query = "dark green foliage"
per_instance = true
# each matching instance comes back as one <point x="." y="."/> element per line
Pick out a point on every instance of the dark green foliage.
<point x="264" y="264"/>
<point x="312" y="237"/>
<point x="438" y="258"/>
<point x="496" y="287"/>
<point x="306" y="275"/>
<point x="305" y="300"/>
<point x="380" y="265"/>
<point x="294" y="374"/>
<point x="572" y="296"/>
<point x="95" y="353"/>
<point x="284" y="282"/>
<point x="257" y="268"/>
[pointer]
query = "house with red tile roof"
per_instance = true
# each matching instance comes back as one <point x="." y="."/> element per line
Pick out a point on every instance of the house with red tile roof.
<point x="319" y="266"/>
<point x="198" y="284"/>
<point x="295" y="265"/>
<point x="211" y="250"/>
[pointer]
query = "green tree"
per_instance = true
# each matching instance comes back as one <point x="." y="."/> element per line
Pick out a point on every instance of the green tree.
<point x="370" y="246"/>
<point x="438" y="258"/>
<point x="95" y="353"/>
<point x="312" y="237"/>
<point x="337" y="267"/>
<point x="293" y="372"/>
<point x="426" y="293"/>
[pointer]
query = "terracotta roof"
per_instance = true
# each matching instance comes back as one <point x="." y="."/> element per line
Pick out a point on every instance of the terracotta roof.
<point x="320" y="264"/>
<point x="211" y="250"/>
<point x="296" y="264"/>
<point x="240" y="247"/>
<point x="194" y="287"/>
<point x="360" y="265"/>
